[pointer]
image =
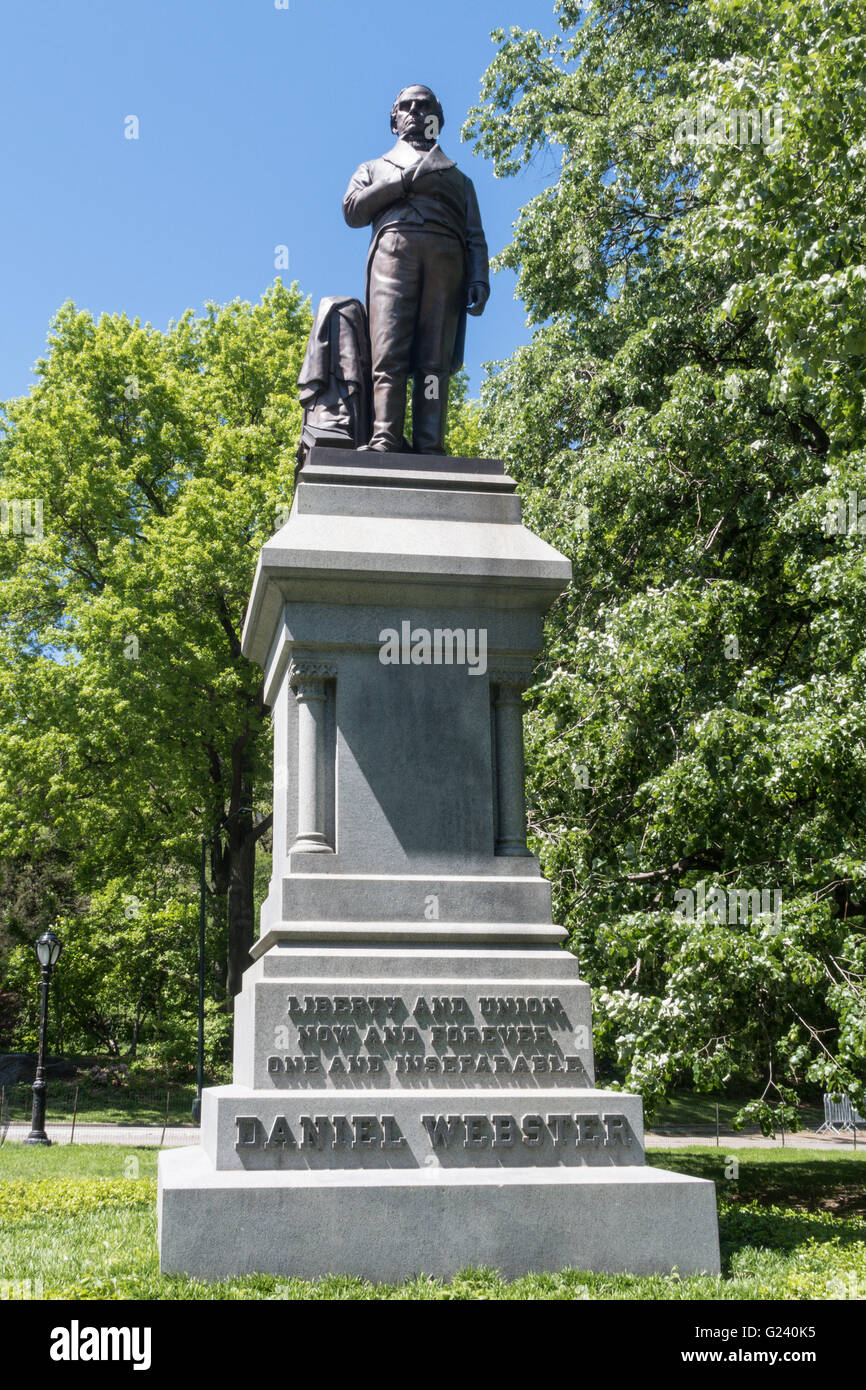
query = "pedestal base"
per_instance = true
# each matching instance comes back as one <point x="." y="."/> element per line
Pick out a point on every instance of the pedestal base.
<point x="389" y="1225"/>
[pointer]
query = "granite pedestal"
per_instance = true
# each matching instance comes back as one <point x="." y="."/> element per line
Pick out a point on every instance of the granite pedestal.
<point x="413" y="1077"/>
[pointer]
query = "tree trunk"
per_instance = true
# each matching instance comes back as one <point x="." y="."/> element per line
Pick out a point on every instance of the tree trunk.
<point x="233" y="866"/>
<point x="136" y="1026"/>
<point x="58" y="1021"/>
<point x="240" y="899"/>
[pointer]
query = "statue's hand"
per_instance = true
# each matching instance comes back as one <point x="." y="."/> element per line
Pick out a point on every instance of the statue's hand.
<point x="413" y="182"/>
<point x="476" y="298"/>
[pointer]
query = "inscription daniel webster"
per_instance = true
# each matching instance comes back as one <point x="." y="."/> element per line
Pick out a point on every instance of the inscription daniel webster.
<point x="357" y="1035"/>
<point x="589" y="1129"/>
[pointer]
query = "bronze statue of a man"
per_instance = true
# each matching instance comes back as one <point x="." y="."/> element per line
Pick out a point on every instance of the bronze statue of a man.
<point x="427" y="268"/>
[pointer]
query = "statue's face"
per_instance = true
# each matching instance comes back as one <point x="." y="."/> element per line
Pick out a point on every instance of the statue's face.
<point x="416" y="116"/>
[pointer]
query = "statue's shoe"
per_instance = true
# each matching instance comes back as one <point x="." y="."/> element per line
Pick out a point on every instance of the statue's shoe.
<point x="375" y="447"/>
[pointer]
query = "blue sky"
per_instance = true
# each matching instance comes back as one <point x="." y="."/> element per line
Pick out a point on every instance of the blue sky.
<point x="251" y="121"/>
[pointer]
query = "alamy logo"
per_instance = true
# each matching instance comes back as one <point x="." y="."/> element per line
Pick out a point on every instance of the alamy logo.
<point x="729" y="906"/>
<point x="847" y="1285"/>
<point x="77" y="1343"/>
<point x="21" y="517"/>
<point x="21" y="1290"/>
<point x="706" y="124"/>
<point x="845" y="516"/>
<point x="444" y="646"/>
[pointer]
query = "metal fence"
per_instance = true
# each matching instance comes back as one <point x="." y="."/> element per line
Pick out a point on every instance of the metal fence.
<point x="91" y="1114"/>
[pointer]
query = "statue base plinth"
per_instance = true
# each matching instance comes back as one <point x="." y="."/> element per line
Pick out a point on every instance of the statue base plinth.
<point x="422" y="1107"/>
<point x="389" y="1225"/>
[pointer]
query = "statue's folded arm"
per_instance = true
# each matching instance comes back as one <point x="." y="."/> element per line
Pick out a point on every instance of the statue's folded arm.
<point x="365" y="197"/>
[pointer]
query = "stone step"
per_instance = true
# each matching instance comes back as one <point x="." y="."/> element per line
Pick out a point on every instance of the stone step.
<point x="390" y="1224"/>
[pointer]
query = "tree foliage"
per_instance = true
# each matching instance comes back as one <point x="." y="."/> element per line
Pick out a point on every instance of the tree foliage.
<point x="132" y="726"/>
<point x="685" y="425"/>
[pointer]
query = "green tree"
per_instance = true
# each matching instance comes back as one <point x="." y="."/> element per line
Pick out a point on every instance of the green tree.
<point x="132" y="724"/>
<point x="687" y="424"/>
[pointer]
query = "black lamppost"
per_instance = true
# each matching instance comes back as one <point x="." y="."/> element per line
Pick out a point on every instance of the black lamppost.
<point x="48" y="949"/>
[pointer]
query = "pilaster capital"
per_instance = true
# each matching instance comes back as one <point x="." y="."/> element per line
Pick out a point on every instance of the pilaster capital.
<point x="511" y="680"/>
<point x="308" y="677"/>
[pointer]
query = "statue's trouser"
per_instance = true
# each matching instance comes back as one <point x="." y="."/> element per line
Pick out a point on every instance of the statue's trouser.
<point x="417" y="285"/>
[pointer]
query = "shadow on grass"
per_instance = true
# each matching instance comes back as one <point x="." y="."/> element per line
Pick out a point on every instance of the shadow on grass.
<point x="772" y="1229"/>
<point x="820" y="1196"/>
<point x="770" y="1175"/>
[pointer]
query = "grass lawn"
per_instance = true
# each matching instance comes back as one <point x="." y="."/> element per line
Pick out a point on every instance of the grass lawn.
<point x="685" y="1110"/>
<point x="135" y="1104"/>
<point x="83" y="1222"/>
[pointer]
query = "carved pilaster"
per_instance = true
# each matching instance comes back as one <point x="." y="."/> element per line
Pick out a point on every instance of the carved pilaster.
<point x="309" y="681"/>
<point x="508" y="685"/>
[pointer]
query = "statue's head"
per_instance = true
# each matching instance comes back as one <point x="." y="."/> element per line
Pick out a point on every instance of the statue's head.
<point x="417" y="116"/>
